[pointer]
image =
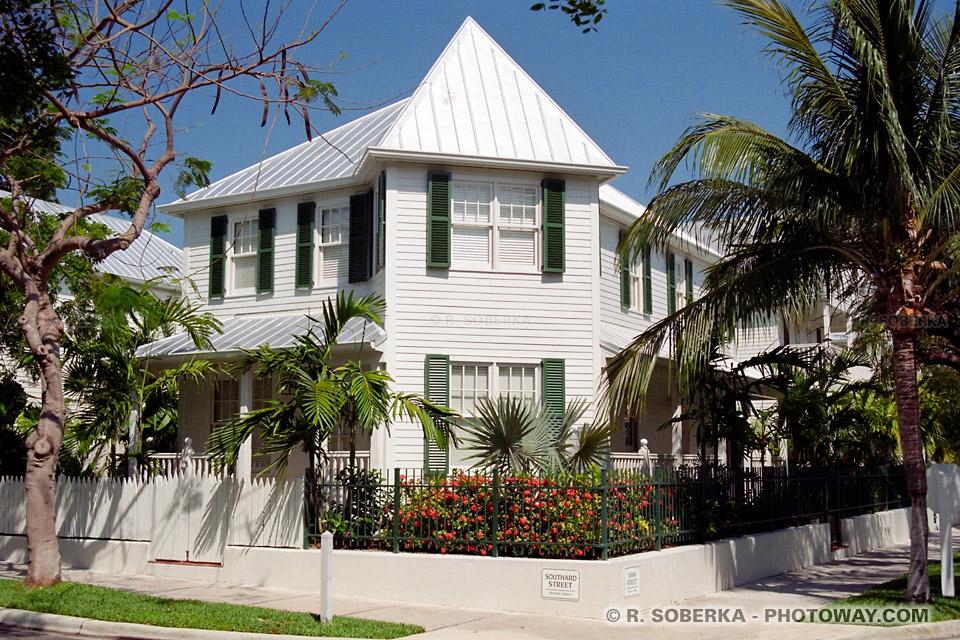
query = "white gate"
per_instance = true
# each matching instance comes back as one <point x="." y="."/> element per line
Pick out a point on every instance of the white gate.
<point x="192" y="518"/>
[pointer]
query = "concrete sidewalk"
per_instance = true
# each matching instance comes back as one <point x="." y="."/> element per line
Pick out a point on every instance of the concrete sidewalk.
<point x="804" y="589"/>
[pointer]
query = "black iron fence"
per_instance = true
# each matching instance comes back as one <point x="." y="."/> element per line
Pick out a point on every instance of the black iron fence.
<point x="589" y="515"/>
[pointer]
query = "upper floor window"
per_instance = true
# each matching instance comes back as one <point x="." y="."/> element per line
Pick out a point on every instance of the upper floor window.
<point x="244" y="257"/>
<point x="334" y="243"/>
<point x="495" y="225"/>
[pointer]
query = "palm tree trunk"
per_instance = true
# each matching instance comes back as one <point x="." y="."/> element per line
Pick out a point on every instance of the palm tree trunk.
<point x="911" y="442"/>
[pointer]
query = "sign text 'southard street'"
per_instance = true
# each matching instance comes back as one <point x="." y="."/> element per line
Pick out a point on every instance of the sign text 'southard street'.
<point x="560" y="584"/>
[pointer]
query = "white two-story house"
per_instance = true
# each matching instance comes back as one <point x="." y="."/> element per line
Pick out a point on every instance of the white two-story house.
<point x="480" y="212"/>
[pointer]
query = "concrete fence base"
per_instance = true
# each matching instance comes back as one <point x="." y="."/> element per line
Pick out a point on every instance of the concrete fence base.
<point x="560" y="587"/>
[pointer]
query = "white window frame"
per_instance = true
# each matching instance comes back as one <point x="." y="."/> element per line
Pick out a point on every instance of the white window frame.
<point x="493" y="378"/>
<point x="343" y="272"/>
<point x="496" y="225"/>
<point x="235" y="254"/>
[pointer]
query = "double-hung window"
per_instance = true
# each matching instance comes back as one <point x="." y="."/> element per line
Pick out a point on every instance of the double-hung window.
<point x="472" y="220"/>
<point x="245" y="256"/>
<point x="495" y="225"/>
<point x="334" y="243"/>
<point x="226" y="401"/>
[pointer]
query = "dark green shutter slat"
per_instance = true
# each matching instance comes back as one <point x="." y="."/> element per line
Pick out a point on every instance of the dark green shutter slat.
<point x="625" y="300"/>
<point x="382" y="221"/>
<point x="554" y="391"/>
<point x="438" y="219"/>
<point x="554" y="214"/>
<point x="218" y="246"/>
<point x="671" y="284"/>
<point x="361" y="237"/>
<point x="266" y="225"/>
<point x="306" y="220"/>
<point x="647" y="282"/>
<point x="689" y="280"/>
<point x="436" y="389"/>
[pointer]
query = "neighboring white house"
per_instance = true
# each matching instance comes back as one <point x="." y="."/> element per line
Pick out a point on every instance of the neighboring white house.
<point x="148" y="258"/>
<point x="480" y="212"/>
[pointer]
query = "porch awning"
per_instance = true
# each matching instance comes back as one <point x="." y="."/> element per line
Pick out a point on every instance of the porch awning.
<point x="613" y="338"/>
<point x="252" y="332"/>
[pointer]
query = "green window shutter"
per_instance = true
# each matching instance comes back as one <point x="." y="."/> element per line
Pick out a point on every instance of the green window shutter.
<point x="554" y="391"/>
<point x="266" y="228"/>
<point x="382" y="221"/>
<point x="361" y="237"/>
<point x="218" y="247"/>
<point x="689" y="280"/>
<point x="671" y="284"/>
<point x="438" y="219"/>
<point x="554" y="214"/>
<point x="625" y="300"/>
<point x="436" y="389"/>
<point x="647" y="282"/>
<point x="306" y="219"/>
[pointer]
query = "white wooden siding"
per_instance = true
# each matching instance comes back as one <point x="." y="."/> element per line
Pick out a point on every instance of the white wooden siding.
<point x="482" y="315"/>
<point x="286" y="298"/>
<point x="633" y="319"/>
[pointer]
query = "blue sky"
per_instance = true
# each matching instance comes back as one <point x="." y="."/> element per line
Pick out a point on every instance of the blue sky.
<point x="633" y="86"/>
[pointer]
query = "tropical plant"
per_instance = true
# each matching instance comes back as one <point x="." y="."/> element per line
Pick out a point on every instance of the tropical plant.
<point x="120" y="399"/>
<point x="115" y="75"/>
<point x="511" y="435"/>
<point x="828" y="416"/>
<point x="862" y="203"/>
<point x="318" y="398"/>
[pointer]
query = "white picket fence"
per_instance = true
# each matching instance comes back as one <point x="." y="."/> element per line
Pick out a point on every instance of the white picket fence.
<point x="183" y="516"/>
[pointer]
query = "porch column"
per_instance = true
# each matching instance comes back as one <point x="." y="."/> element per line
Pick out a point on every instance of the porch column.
<point x="245" y="459"/>
<point x="827" y="321"/>
<point x="676" y="447"/>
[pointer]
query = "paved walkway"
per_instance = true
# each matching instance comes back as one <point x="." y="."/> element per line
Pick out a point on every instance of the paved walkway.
<point x="807" y="588"/>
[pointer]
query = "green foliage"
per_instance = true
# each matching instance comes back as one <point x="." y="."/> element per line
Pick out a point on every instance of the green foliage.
<point x="101" y="603"/>
<point x="828" y="417"/>
<point x="109" y="382"/>
<point x="583" y="13"/>
<point x="512" y="436"/>
<point x="940" y="413"/>
<point x="316" y="398"/>
<point x="194" y="172"/>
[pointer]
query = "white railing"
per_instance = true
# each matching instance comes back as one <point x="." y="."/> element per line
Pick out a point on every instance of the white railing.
<point x="170" y="464"/>
<point x="624" y="461"/>
<point x="337" y="461"/>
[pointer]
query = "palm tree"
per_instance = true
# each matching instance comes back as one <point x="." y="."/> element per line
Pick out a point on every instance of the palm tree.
<point x="512" y="436"/>
<point x="119" y="395"/>
<point x="317" y="398"/>
<point x="862" y="201"/>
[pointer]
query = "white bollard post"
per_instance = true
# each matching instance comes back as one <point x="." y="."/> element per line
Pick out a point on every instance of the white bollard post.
<point x="946" y="554"/>
<point x="326" y="577"/>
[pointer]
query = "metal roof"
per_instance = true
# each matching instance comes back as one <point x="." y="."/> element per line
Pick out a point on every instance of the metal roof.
<point x="614" y="338"/>
<point x="147" y="257"/>
<point x="252" y="332"/>
<point x="333" y="155"/>
<point x="633" y="210"/>
<point x="475" y="102"/>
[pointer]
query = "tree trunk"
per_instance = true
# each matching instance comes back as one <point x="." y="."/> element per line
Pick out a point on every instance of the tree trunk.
<point x="911" y="442"/>
<point x="43" y="445"/>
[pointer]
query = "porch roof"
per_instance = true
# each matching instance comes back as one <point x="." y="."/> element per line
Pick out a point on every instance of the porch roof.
<point x="252" y="332"/>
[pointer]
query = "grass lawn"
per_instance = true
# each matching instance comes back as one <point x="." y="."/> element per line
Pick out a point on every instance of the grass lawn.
<point x="889" y="595"/>
<point x="87" y="601"/>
